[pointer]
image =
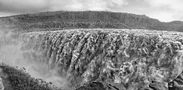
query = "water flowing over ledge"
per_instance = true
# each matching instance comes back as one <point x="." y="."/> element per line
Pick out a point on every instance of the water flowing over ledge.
<point x="128" y="59"/>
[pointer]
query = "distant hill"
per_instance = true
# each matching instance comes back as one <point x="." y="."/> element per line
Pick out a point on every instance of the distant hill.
<point x="87" y="19"/>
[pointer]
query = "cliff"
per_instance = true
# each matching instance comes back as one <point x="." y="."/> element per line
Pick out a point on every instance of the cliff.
<point x="59" y="47"/>
<point x="114" y="59"/>
<point x="13" y="78"/>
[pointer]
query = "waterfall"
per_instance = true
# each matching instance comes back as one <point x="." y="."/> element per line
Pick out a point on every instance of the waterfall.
<point x="71" y="58"/>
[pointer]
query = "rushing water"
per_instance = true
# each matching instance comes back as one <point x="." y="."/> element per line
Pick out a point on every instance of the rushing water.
<point x="75" y="57"/>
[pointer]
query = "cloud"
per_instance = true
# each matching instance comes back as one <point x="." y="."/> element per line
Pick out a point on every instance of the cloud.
<point x="22" y="6"/>
<point x="96" y="5"/>
<point x="164" y="10"/>
<point x="173" y="4"/>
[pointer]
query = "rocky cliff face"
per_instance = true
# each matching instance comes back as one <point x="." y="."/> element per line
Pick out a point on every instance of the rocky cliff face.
<point x="13" y="78"/>
<point x="110" y="59"/>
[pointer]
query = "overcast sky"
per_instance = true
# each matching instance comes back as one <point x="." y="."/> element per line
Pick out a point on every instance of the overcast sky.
<point x="164" y="10"/>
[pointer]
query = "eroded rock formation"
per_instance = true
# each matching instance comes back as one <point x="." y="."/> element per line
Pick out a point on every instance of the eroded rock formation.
<point x="17" y="79"/>
<point x="118" y="59"/>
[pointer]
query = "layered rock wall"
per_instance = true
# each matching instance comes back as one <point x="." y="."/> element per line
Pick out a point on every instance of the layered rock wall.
<point x="125" y="59"/>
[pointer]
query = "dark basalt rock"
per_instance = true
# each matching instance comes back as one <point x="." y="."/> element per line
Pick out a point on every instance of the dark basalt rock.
<point x="111" y="59"/>
<point x="137" y="60"/>
<point x="92" y="86"/>
<point x="176" y="84"/>
<point x="18" y="79"/>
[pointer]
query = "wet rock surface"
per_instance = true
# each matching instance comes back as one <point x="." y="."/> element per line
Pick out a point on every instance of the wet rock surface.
<point x="1" y="84"/>
<point x="131" y="59"/>
<point x="17" y="79"/>
<point x="92" y="86"/>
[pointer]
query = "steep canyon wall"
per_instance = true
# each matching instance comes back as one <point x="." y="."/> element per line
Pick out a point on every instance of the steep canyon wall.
<point x="119" y="58"/>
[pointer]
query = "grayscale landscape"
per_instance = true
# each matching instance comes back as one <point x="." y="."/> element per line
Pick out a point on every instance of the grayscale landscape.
<point x="90" y="50"/>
